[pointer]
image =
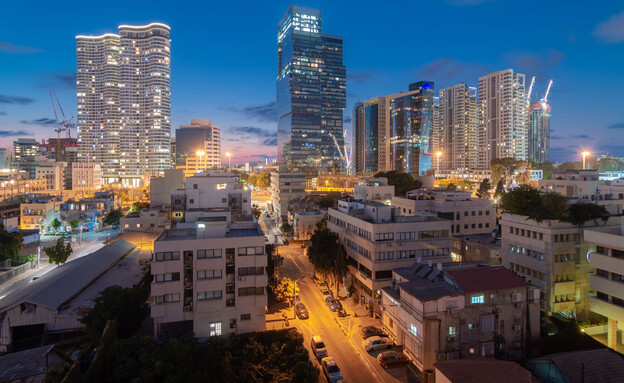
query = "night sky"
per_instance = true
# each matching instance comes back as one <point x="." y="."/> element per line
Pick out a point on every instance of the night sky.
<point x="224" y="60"/>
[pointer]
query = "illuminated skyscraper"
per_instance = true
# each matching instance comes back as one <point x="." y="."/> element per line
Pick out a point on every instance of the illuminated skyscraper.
<point x="539" y="131"/>
<point x="311" y="92"/>
<point x="124" y="102"/>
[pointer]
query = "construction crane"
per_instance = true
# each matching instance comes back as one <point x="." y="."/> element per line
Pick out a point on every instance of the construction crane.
<point x="548" y="91"/>
<point x="530" y="91"/>
<point x="63" y="125"/>
<point x="342" y="156"/>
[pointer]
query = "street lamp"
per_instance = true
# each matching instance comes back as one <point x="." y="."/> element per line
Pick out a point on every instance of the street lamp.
<point x="585" y="154"/>
<point x="200" y="153"/>
<point x="438" y="154"/>
<point x="229" y="156"/>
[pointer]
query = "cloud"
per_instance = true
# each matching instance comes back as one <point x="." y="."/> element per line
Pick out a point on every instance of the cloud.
<point x="362" y="76"/>
<point x="44" y="121"/>
<point x="66" y="79"/>
<point x="581" y="136"/>
<point x="2" y="113"/>
<point x="555" y="137"/>
<point x="461" y="3"/>
<point x="4" y="99"/>
<point x="14" y="133"/>
<point x="611" y="31"/>
<point x="7" y="47"/>
<point x="536" y="63"/>
<point x="264" y="112"/>
<point x="450" y="69"/>
<point x="270" y="142"/>
<point x="253" y="131"/>
<point x="347" y="119"/>
<point x="616" y="126"/>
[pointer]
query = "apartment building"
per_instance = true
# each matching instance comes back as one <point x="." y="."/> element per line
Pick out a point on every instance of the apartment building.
<point x="551" y="255"/>
<point x="153" y="220"/>
<point x="573" y="183"/>
<point x="608" y="280"/>
<point x="39" y="212"/>
<point x="457" y="310"/>
<point x="378" y="239"/>
<point x="468" y="215"/>
<point x="284" y="186"/>
<point x="373" y="189"/>
<point x="86" y="177"/>
<point x="304" y="224"/>
<point x="477" y="248"/>
<point x="210" y="270"/>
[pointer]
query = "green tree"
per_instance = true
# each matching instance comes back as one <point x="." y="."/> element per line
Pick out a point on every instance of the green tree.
<point x="402" y="182"/>
<point x="286" y="228"/>
<point x="55" y="224"/>
<point x="112" y="218"/>
<point x="59" y="253"/>
<point x="138" y="206"/>
<point x="285" y="290"/>
<point x="264" y="179"/>
<point x="609" y="164"/>
<point x="553" y="206"/>
<point x="10" y="244"/>
<point x="580" y="213"/>
<point x="74" y="223"/>
<point x="500" y="189"/>
<point x="484" y="189"/>
<point x="498" y="173"/>
<point x="451" y="186"/>
<point x="569" y="165"/>
<point x="327" y="254"/>
<point x="546" y="166"/>
<point x="255" y="210"/>
<point x="523" y="200"/>
<point x="269" y="249"/>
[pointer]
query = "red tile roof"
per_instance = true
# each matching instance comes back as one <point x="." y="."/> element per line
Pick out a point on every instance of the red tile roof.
<point x="486" y="279"/>
<point x="482" y="370"/>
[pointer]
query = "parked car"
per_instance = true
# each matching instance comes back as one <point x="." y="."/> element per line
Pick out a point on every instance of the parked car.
<point x="332" y="303"/>
<point x="369" y="331"/>
<point x="318" y="347"/>
<point x="325" y="290"/>
<point x="331" y="370"/>
<point x="391" y="358"/>
<point x="375" y="343"/>
<point x="302" y="311"/>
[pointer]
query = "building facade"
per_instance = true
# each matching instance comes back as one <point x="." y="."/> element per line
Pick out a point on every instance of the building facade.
<point x="200" y="139"/>
<point x="539" y="132"/>
<point x="285" y="186"/>
<point x="25" y="149"/>
<point x="86" y="177"/>
<point x="39" y="212"/>
<point x="502" y="117"/>
<point x="311" y="92"/>
<point x="124" y="102"/>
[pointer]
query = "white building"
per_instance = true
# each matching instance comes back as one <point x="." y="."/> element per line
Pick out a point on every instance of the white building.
<point x="86" y="177"/>
<point x="153" y="220"/>
<point x="455" y="128"/>
<point x="573" y="183"/>
<point x="284" y="186"/>
<point x="377" y="240"/>
<point x="502" y="117"/>
<point x="124" y="107"/>
<point x="54" y="173"/>
<point x="468" y="215"/>
<point x="39" y="212"/>
<point x="373" y="189"/>
<point x="304" y="224"/>
<point x="210" y="271"/>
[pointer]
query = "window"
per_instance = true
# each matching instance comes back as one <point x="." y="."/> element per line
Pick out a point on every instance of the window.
<point x="168" y="256"/>
<point x="209" y="274"/>
<point x="471" y="326"/>
<point x="245" y="316"/>
<point x="487" y="323"/>
<point x="209" y="253"/>
<point x="167" y="298"/>
<point x="194" y="186"/>
<point x="209" y="295"/>
<point x="258" y="250"/>
<point x="473" y="213"/>
<point x="242" y="271"/>
<point x="487" y="212"/>
<point x="167" y="277"/>
<point x="480" y="212"/>
<point x="384" y="256"/>
<point x="511" y="230"/>
<point x="223" y="200"/>
<point x="384" y="236"/>
<point x="452" y="331"/>
<point x="229" y="288"/>
<point x="477" y="299"/>
<point x="245" y="291"/>
<point x="413" y="329"/>
<point x="215" y="328"/>
<point x="465" y="214"/>
<point x="384" y="274"/>
<point x="487" y="225"/>
<point x="406" y="254"/>
<point x="191" y="201"/>
<point x="406" y="236"/>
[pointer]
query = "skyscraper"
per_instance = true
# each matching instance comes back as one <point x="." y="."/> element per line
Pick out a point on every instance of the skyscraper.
<point x="124" y="102"/>
<point x="455" y="129"/>
<point x="424" y="120"/>
<point x="199" y="136"/>
<point x="539" y="131"/>
<point x="502" y="117"/>
<point x="311" y="92"/>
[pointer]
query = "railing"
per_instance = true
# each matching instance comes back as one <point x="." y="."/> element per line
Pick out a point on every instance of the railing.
<point x="15" y="271"/>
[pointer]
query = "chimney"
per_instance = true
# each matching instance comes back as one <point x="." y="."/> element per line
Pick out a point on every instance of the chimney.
<point x="440" y="266"/>
<point x="430" y="263"/>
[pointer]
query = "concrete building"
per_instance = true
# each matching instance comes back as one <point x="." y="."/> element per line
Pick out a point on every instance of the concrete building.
<point x="304" y="224"/>
<point x="200" y="139"/>
<point x="608" y="280"/>
<point x="468" y="215"/>
<point x="162" y="187"/>
<point x="601" y="365"/>
<point x="468" y="175"/>
<point x="502" y="117"/>
<point x="39" y="212"/>
<point x="573" y="183"/>
<point x="54" y="173"/>
<point x="152" y="220"/>
<point x="209" y="272"/>
<point x="87" y="211"/>
<point x="64" y="149"/>
<point x="551" y="255"/>
<point x="377" y="240"/>
<point x="373" y="189"/>
<point x="86" y="177"/>
<point x="455" y="310"/>
<point x="481" y="370"/>
<point x="485" y="248"/>
<point x="455" y="130"/>
<point x="25" y="149"/>
<point x="284" y="186"/>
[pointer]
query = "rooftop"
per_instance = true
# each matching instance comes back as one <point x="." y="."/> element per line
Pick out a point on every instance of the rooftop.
<point x="596" y="366"/>
<point x="486" y="279"/>
<point x="483" y="239"/>
<point x="23" y="364"/>
<point x="479" y="370"/>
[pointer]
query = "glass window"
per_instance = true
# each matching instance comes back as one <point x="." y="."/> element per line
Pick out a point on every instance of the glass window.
<point x="477" y="299"/>
<point x="452" y="331"/>
<point x="215" y="329"/>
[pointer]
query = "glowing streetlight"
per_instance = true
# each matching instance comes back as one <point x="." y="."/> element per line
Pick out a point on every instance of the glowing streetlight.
<point x="585" y="154"/>
<point x="438" y="154"/>
<point x="200" y="153"/>
<point x="229" y="156"/>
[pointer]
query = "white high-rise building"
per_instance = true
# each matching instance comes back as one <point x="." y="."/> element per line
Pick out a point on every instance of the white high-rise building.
<point x="455" y="128"/>
<point x="124" y="102"/>
<point x="502" y="117"/>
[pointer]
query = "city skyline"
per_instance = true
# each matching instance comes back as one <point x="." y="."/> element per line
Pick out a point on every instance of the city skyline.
<point x="239" y="95"/>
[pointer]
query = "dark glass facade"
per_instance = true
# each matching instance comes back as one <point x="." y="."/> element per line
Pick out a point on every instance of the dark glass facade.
<point x="189" y="140"/>
<point x="424" y="104"/>
<point x="371" y="118"/>
<point x="539" y="132"/>
<point x="311" y="92"/>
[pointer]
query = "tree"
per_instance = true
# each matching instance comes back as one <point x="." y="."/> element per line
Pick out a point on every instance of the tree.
<point x="269" y="249"/>
<point x="112" y="218"/>
<point x="138" y="206"/>
<point x="55" y="224"/>
<point x="553" y="206"/>
<point x="255" y="210"/>
<point x="569" y="165"/>
<point x="451" y="186"/>
<point x="401" y="181"/>
<point x="10" y="244"/>
<point x="498" y="173"/>
<point x="74" y="223"/>
<point x="500" y="189"/>
<point x="580" y="213"/>
<point x="609" y="164"/>
<point x="522" y="200"/>
<point x="285" y="290"/>
<point x="286" y="228"/>
<point x="547" y="167"/>
<point x="59" y="253"/>
<point x="484" y="189"/>
<point x="327" y="254"/>
<point x="264" y="179"/>
<point x="253" y="180"/>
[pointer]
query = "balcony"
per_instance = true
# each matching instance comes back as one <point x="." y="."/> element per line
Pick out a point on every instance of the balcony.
<point x="606" y="309"/>
<point x="605" y="262"/>
<point x="564" y="288"/>
<point x="606" y="286"/>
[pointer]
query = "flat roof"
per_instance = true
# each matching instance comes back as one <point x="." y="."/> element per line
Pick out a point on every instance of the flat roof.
<point x="23" y="364"/>
<point x="479" y="370"/>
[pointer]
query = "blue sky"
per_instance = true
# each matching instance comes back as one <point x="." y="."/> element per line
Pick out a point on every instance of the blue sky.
<point x="224" y="59"/>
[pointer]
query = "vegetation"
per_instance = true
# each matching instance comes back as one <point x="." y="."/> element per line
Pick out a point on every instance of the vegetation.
<point x="509" y="170"/>
<point x="10" y="244"/>
<point x="269" y="249"/>
<point x="500" y="189"/>
<point x="545" y="166"/>
<point x="451" y="186"/>
<point x="579" y="213"/>
<point x="286" y="228"/>
<point x="329" y="200"/>
<point x="568" y="338"/>
<point x="138" y="206"/>
<point x="327" y="254"/>
<point x="112" y="218"/>
<point x="262" y="179"/>
<point x="285" y="290"/>
<point x="55" y="224"/>
<point x="255" y="211"/>
<point x="401" y="181"/>
<point x="484" y="189"/>
<point x="75" y="223"/>
<point x="59" y="253"/>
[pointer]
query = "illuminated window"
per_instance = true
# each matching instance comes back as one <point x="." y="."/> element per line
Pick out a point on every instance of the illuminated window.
<point x="221" y="186"/>
<point x="413" y="330"/>
<point x="477" y="299"/>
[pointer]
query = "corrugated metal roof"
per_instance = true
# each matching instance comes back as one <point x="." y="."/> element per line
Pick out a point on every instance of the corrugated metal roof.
<point x="63" y="283"/>
<point x="596" y="366"/>
<point x="23" y="364"/>
<point x="486" y="279"/>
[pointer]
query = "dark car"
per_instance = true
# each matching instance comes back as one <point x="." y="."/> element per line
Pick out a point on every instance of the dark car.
<point x="389" y="359"/>
<point x="332" y="303"/>
<point x="302" y="311"/>
<point x="369" y="331"/>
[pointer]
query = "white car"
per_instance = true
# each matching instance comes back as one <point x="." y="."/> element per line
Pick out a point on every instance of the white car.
<point x="318" y="347"/>
<point x="377" y="343"/>
<point x="331" y="370"/>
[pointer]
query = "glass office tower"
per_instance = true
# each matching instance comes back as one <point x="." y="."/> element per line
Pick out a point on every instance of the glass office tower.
<point x="539" y="131"/>
<point x="423" y="104"/>
<point x="311" y="93"/>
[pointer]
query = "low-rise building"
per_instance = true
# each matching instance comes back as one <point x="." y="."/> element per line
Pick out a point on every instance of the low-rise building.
<point x="153" y="220"/>
<point x="304" y="224"/>
<point x="608" y="280"/>
<point x="482" y="370"/>
<point x="377" y="240"/>
<point x="468" y="215"/>
<point x="86" y="177"/>
<point x="477" y="248"/>
<point x="551" y="255"/>
<point x="573" y="183"/>
<point x="284" y="186"/>
<point x="373" y="189"/>
<point x="601" y="365"/>
<point x="456" y="310"/>
<point x="161" y="187"/>
<point x="89" y="212"/>
<point x="39" y="212"/>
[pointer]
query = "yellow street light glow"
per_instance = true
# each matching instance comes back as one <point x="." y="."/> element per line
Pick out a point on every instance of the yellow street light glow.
<point x="200" y="153"/>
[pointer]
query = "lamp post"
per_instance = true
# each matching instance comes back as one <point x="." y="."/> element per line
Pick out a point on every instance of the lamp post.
<point x="200" y="153"/>
<point x="229" y="156"/>
<point x="585" y="154"/>
<point x="438" y="154"/>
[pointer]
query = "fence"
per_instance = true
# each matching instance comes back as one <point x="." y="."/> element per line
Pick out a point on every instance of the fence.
<point x="15" y="271"/>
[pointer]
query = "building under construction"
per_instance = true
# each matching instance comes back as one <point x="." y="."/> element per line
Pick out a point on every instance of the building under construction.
<point x="539" y="127"/>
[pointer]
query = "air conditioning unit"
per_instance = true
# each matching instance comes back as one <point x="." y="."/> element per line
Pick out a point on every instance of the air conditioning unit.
<point x="516" y="327"/>
<point x="241" y="279"/>
<point x="518" y="305"/>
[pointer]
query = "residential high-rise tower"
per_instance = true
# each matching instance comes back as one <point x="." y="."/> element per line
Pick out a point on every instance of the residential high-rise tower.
<point x="539" y="131"/>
